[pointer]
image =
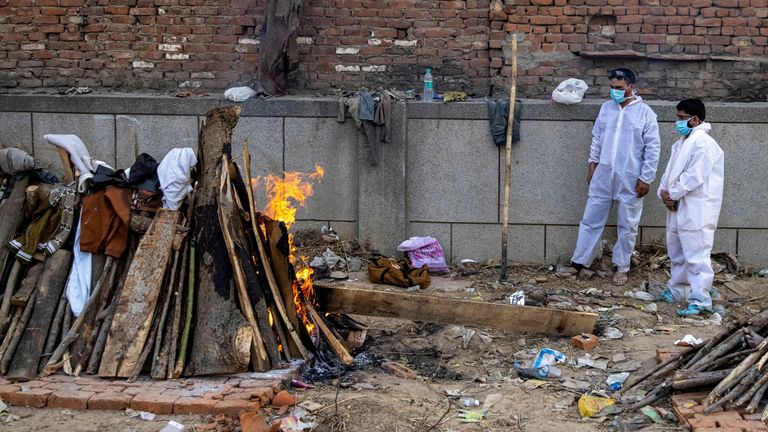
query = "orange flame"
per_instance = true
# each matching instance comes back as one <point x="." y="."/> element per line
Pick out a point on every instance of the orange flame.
<point x="286" y="192"/>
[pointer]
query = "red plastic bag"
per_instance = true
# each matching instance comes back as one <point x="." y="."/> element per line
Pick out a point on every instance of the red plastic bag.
<point x="425" y="250"/>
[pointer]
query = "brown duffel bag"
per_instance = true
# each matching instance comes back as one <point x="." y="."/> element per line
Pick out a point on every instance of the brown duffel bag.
<point x="399" y="273"/>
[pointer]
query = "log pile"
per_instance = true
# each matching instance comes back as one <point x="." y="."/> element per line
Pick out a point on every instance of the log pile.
<point x="731" y="364"/>
<point x="206" y="289"/>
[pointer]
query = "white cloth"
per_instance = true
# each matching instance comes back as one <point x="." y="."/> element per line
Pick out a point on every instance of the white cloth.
<point x="79" y="155"/>
<point x="694" y="177"/>
<point x="625" y="145"/>
<point x="174" y="173"/>
<point x="79" y="282"/>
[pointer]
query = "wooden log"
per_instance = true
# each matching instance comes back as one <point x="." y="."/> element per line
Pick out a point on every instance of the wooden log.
<point x="138" y="298"/>
<point x="335" y="344"/>
<point x="93" y="329"/>
<point x="78" y="348"/>
<point x="101" y="338"/>
<point x="356" y="298"/>
<point x="662" y="369"/>
<point x="220" y="327"/>
<point x="282" y="314"/>
<point x="228" y="219"/>
<point x="8" y="355"/>
<point x="718" y="351"/>
<point x="182" y="355"/>
<point x="26" y="360"/>
<point x="53" y="334"/>
<point x="724" y="360"/>
<point x="28" y="284"/>
<point x="753" y="389"/>
<point x="738" y="390"/>
<point x="12" y="216"/>
<point x="685" y="380"/>
<point x="738" y="372"/>
<point x="159" y="363"/>
<point x="10" y="287"/>
<point x="71" y="333"/>
<point x="148" y="348"/>
<point x="756" y="398"/>
<point x="11" y="329"/>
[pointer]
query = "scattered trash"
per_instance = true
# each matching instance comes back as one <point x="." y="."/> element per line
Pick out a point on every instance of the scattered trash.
<point x="73" y="91"/>
<point x="564" y="403"/>
<point x="640" y="295"/>
<point x="548" y="357"/>
<point x="301" y="384"/>
<point x="148" y="416"/>
<point x="471" y="416"/>
<point x="12" y="418"/>
<point x="585" y="341"/>
<point x="425" y="250"/>
<point x="339" y="275"/>
<point x="172" y="426"/>
<point x="469" y="402"/>
<point x="588" y="361"/>
<point x="253" y="422"/>
<point x="651" y="413"/>
<point x="532" y="384"/>
<point x="651" y="308"/>
<point x="576" y="384"/>
<point x="452" y="393"/>
<point x="689" y="341"/>
<point x="293" y="424"/>
<point x="283" y="398"/>
<point x="763" y="273"/>
<point x="570" y="91"/>
<point x="715" y="319"/>
<point x="516" y="298"/>
<point x="653" y="287"/>
<point x="239" y="94"/>
<point x="589" y="406"/>
<point x="615" y="381"/>
<point x="594" y="292"/>
<point x="3" y="406"/>
<point x="618" y="358"/>
<point x="612" y="333"/>
<point x="536" y="373"/>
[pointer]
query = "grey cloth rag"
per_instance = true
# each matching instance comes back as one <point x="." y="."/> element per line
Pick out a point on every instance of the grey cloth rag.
<point x="383" y="115"/>
<point x="349" y="104"/>
<point x="498" y="114"/>
<point x="14" y="161"/>
<point x="367" y="108"/>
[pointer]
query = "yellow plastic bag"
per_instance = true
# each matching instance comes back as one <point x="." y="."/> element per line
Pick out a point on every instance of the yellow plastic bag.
<point x="590" y="405"/>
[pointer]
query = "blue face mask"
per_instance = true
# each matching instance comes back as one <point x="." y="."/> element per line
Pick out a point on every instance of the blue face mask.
<point x="618" y="95"/>
<point x="682" y="127"/>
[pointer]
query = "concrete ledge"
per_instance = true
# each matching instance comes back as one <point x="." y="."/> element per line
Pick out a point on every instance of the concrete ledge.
<point x="326" y="106"/>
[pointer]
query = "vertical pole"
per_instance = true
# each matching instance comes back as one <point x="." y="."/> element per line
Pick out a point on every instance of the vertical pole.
<point x="508" y="163"/>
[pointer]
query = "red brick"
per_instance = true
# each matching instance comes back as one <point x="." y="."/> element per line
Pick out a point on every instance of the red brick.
<point x="35" y="398"/>
<point x="702" y="423"/>
<point x="399" y="370"/>
<point x="745" y="425"/>
<point x="194" y="405"/>
<point x="153" y="402"/>
<point x="110" y="401"/>
<point x="8" y="389"/>
<point x="70" y="399"/>
<point x="235" y="407"/>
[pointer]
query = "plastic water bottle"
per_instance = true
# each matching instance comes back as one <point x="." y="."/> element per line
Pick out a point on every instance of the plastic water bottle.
<point x="429" y="91"/>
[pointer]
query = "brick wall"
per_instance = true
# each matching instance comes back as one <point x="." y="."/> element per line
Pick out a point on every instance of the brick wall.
<point x="716" y="49"/>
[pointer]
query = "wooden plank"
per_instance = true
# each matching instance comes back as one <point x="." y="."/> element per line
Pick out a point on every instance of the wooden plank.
<point x="26" y="360"/>
<point x="136" y="307"/>
<point x="28" y="284"/>
<point x="356" y="298"/>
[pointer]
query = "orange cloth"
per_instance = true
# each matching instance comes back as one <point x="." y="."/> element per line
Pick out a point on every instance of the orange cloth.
<point x="105" y="221"/>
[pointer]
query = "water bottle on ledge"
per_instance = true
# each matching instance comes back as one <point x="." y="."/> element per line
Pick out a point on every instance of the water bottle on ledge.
<point x="429" y="92"/>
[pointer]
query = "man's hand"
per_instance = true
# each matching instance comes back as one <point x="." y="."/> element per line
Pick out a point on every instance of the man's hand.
<point x="591" y="172"/>
<point x="642" y="188"/>
<point x="669" y="203"/>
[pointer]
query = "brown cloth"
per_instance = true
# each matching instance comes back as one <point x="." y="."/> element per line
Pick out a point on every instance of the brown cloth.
<point x="104" y="221"/>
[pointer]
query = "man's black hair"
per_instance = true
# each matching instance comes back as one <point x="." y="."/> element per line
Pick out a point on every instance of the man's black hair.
<point x="623" y="74"/>
<point x="693" y="107"/>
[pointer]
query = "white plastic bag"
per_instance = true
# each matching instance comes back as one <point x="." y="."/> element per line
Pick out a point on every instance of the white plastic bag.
<point x="570" y="91"/>
<point x="239" y="94"/>
<point x="425" y="250"/>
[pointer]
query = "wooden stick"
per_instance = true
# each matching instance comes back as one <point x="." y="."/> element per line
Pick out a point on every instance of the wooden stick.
<point x="101" y="338"/>
<point x="756" y="398"/>
<point x="94" y="328"/>
<point x="11" y="329"/>
<point x="738" y="390"/>
<point x="718" y="351"/>
<point x="148" y="347"/>
<point x="754" y="388"/>
<point x="73" y="332"/>
<point x="226" y="210"/>
<point x="174" y="335"/>
<point x="684" y="380"/>
<point x="661" y="369"/>
<point x="728" y="358"/>
<point x="336" y="346"/>
<point x="738" y="372"/>
<point x="265" y="261"/>
<point x="508" y="162"/>
<point x="17" y="334"/>
<point x="69" y="173"/>
<point x="12" y="215"/>
<point x="182" y="357"/>
<point x="159" y="365"/>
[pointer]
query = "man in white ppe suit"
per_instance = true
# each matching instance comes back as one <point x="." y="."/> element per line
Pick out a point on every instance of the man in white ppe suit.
<point x="622" y="164"/>
<point x="692" y="191"/>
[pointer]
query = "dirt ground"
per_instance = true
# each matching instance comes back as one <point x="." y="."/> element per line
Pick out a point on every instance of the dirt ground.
<point x="453" y="358"/>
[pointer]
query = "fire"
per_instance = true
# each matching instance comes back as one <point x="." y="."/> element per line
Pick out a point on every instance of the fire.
<point x="284" y="195"/>
<point x="286" y="192"/>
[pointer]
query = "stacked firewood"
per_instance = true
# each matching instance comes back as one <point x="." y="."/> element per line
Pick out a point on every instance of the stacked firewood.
<point x="732" y="364"/>
<point x="207" y="289"/>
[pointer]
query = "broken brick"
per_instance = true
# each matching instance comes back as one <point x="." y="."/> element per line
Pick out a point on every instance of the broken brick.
<point x="235" y="407"/>
<point x="35" y="398"/>
<point x="194" y="405"/>
<point x="283" y="399"/>
<point x="399" y="370"/>
<point x="154" y="402"/>
<point x="585" y="341"/>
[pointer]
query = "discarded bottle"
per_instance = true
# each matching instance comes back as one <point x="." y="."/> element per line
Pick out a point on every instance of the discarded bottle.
<point x="540" y="373"/>
<point x="615" y="381"/>
<point x="429" y="91"/>
<point x="469" y="402"/>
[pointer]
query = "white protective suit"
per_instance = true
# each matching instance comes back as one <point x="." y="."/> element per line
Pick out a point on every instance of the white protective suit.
<point x="694" y="177"/>
<point x="625" y="145"/>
